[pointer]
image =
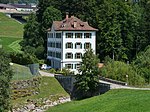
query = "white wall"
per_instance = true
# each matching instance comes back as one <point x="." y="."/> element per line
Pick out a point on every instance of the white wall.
<point x="74" y="51"/>
<point x="61" y="62"/>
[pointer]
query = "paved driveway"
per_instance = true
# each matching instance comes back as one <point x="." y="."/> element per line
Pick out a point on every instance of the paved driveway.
<point x="46" y="74"/>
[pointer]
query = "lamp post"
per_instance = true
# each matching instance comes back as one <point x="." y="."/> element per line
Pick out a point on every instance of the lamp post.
<point x="127" y="79"/>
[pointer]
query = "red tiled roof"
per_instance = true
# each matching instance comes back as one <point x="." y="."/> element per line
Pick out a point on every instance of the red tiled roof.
<point x="72" y="24"/>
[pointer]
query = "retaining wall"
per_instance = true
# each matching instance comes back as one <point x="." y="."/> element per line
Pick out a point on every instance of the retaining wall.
<point x="23" y="88"/>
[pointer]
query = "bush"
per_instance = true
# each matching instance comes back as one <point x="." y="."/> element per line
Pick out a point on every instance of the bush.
<point x="64" y="72"/>
<point x="52" y="70"/>
<point x="23" y="58"/>
<point x="119" y="71"/>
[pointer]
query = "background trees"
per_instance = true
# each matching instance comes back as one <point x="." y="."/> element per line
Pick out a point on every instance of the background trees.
<point x="142" y="64"/>
<point x="32" y="41"/>
<point x="6" y="74"/>
<point x="88" y="79"/>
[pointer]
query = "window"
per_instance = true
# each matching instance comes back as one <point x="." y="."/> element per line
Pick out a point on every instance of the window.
<point x="53" y="53"/>
<point x="69" y="56"/>
<point x="50" y="35"/>
<point x="87" y="35"/>
<point x="78" y="56"/>
<point x="69" y="45"/>
<point x="77" y="66"/>
<point x="49" y="53"/>
<point x="58" y="45"/>
<point x="58" y="55"/>
<point x="69" y="66"/>
<point x="78" y="45"/>
<point x="53" y="44"/>
<point x="50" y="44"/>
<point x="78" y="35"/>
<point x="87" y="45"/>
<point x="58" y="35"/>
<point x="69" y="35"/>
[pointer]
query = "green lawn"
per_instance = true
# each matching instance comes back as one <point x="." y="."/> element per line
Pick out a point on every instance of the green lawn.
<point x="21" y="72"/>
<point x="11" y="33"/>
<point x="112" y="101"/>
<point x="10" y="27"/>
<point x="10" y="44"/>
<point x="49" y="86"/>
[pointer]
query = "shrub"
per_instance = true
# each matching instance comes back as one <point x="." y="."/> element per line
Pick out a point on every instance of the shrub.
<point x="23" y="58"/>
<point x="52" y="70"/>
<point x="119" y="71"/>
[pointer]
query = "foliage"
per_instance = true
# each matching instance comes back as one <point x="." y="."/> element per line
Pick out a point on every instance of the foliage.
<point x="64" y="71"/>
<point x="23" y="58"/>
<point x="116" y="22"/>
<point x="142" y="64"/>
<point x="145" y="24"/>
<point x="112" y="101"/>
<point x="32" y="42"/>
<point x="52" y="70"/>
<point x="121" y="71"/>
<point x="6" y="74"/>
<point x="50" y="14"/>
<point x="87" y="80"/>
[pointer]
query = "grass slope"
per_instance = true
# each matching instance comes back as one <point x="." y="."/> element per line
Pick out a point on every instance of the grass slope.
<point x="10" y="44"/>
<point x="10" y="27"/>
<point x="49" y="86"/>
<point x="11" y="33"/>
<point x="21" y="72"/>
<point x="112" y="101"/>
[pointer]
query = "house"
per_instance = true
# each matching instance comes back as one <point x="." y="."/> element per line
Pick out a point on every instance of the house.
<point x="7" y="7"/>
<point x="67" y="41"/>
<point x="24" y="7"/>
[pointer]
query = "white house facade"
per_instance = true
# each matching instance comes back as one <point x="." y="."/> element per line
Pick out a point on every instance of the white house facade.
<point x="67" y="41"/>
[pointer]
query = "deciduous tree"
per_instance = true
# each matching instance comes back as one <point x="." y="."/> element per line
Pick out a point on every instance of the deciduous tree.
<point x="6" y="74"/>
<point x="88" y="81"/>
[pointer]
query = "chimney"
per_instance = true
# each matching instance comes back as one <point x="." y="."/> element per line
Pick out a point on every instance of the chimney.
<point x="75" y="24"/>
<point x="67" y="15"/>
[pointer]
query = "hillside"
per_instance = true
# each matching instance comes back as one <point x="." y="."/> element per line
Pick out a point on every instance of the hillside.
<point x="112" y="101"/>
<point x="10" y="27"/>
<point x="11" y="33"/>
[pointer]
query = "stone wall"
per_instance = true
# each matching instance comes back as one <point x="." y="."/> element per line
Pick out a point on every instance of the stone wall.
<point x="23" y="88"/>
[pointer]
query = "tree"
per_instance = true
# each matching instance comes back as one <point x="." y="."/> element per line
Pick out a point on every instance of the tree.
<point x="31" y="38"/>
<point x="145" y="23"/>
<point x="87" y="81"/>
<point x="142" y="64"/>
<point x="6" y="74"/>
<point x="116" y="22"/>
<point x="50" y="14"/>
